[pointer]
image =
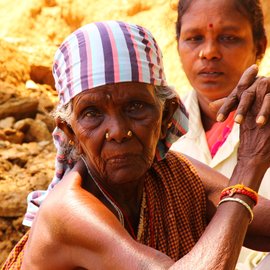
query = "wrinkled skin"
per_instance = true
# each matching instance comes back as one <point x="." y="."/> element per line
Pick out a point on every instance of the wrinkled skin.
<point x="252" y="96"/>
<point x="119" y="162"/>
<point x="117" y="109"/>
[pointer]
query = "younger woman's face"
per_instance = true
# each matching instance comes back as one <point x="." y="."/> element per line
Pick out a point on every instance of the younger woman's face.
<point x="215" y="46"/>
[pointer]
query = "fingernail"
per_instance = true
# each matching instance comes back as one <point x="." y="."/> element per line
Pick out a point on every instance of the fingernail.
<point x="220" y="117"/>
<point x="255" y="66"/>
<point x="261" y="120"/>
<point x="238" y="118"/>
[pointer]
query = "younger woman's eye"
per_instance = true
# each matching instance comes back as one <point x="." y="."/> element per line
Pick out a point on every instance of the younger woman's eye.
<point x="228" y="38"/>
<point x="195" y="38"/>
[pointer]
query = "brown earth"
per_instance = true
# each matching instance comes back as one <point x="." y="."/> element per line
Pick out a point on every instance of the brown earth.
<point x="30" y="32"/>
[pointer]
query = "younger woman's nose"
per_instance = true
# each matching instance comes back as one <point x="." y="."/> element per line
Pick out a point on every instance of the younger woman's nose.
<point x="210" y="50"/>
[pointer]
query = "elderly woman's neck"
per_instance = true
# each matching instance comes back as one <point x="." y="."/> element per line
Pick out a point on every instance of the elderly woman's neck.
<point x="127" y="197"/>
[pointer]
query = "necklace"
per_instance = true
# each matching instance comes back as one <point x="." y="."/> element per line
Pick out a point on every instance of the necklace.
<point x="117" y="209"/>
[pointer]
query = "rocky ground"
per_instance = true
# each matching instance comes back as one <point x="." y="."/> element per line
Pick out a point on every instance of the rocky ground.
<point x="30" y="31"/>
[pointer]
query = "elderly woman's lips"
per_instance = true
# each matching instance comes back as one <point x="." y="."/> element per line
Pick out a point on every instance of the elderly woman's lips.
<point x="126" y="158"/>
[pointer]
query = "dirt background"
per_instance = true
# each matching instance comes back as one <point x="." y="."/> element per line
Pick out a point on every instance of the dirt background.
<point x="30" y="31"/>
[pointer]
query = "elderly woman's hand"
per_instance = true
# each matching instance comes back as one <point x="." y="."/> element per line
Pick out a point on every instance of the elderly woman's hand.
<point x="251" y="98"/>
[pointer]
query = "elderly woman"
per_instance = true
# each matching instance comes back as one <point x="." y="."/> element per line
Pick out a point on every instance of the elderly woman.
<point x="124" y="201"/>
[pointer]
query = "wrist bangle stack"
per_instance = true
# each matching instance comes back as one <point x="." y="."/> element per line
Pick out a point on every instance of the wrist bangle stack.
<point x="241" y="202"/>
<point x="240" y="189"/>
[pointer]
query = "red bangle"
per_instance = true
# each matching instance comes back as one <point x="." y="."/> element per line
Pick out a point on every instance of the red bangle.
<point x="240" y="189"/>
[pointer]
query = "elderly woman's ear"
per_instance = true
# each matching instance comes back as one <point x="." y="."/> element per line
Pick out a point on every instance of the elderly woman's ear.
<point x="67" y="129"/>
<point x="170" y="107"/>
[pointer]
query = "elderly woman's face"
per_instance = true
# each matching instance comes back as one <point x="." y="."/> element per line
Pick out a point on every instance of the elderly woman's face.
<point x="117" y="109"/>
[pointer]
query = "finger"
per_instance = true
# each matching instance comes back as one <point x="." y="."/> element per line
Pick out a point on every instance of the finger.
<point x="229" y="105"/>
<point x="246" y="80"/>
<point x="264" y="113"/>
<point x="214" y="106"/>
<point x="245" y="103"/>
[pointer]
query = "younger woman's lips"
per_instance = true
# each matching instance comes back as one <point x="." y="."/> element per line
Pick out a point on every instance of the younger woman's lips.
<point x="210" y="75"/>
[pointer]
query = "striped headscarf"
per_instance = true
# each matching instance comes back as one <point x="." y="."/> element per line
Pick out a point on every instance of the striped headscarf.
<point x="98" y="54"/>
<point x="106" y="52"/>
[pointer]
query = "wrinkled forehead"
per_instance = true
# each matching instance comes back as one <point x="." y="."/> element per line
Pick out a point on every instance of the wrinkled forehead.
<point x="118" y="93"/>
<point x="104" y="53"/>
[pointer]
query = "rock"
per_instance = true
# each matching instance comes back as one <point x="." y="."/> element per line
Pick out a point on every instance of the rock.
<point x="137" y="6"/>
<point x="14" y="66"/>
<point x="42" y="75"/>
<point x="7" y="122"/>
<point x="11" y="135"/>
<point x="14" y="156"/>
<point x="5" y="166"/>
<point x="7" y="91"/>
<point x="14" y="200"/>
<point x="31" y="85"/>
<point x="48" y="120"/>
<point x="19" y="108"/>
<point x="34" y="130"/>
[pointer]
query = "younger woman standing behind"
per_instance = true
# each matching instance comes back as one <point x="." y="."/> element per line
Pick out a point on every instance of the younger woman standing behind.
<point x="217" y="41"/>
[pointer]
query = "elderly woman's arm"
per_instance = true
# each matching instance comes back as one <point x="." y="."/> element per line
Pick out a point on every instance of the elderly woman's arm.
<point x="258" y="236"/>
<point x="79" y="231"/>
<point x="74" y="229"/>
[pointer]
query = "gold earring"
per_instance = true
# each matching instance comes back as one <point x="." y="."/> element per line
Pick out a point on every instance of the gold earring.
<point x="71" y="143"/>
<point x="107" y="135"/>
<point x="129" y="134"/>
<point x="169" y="125"/>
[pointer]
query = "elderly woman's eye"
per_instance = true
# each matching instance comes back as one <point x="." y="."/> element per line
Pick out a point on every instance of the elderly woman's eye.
<point x="92" y="112"/>
<point x="135" y="106"/>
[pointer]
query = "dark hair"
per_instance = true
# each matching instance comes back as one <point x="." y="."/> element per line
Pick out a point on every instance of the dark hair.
<point x="251" y="9"/>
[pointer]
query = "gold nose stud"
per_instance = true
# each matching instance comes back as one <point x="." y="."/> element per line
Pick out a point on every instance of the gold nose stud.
<point x="201" y="54"/>
<point x="129" y="134"/>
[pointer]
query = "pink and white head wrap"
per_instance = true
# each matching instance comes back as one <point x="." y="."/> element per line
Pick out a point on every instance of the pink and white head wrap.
<point x="103" y="53"/>
<point x="98" y="54"/>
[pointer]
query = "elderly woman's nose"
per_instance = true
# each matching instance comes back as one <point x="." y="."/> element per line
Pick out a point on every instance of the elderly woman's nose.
<point x="118" y="129"/>
<point x="210" y="50"/>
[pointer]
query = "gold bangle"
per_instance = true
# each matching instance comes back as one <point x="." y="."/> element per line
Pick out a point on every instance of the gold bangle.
<point x="241" y="202"/>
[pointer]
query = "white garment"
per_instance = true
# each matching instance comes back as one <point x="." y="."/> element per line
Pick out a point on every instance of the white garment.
<point x="194" y="144"/>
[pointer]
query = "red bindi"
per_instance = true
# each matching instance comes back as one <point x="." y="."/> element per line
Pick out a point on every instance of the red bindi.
<point x="210" y="25"/>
